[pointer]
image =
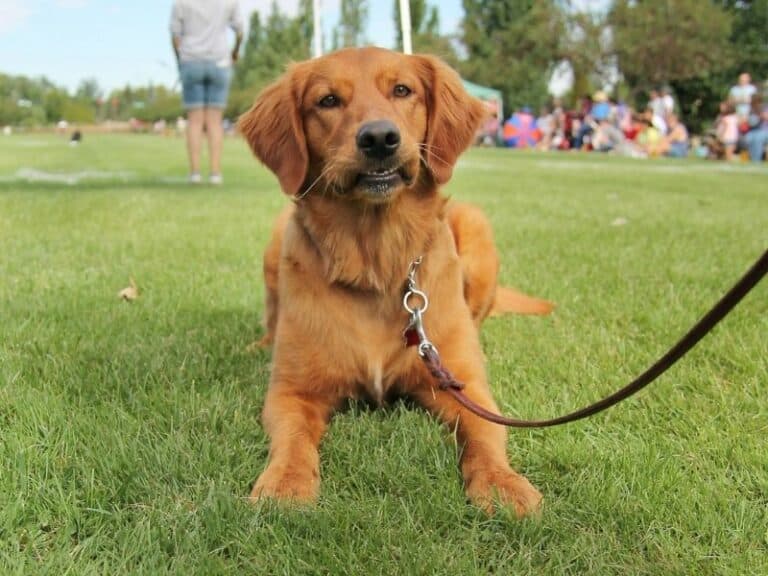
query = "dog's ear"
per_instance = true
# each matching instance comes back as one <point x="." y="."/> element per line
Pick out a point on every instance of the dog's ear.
<point x="274" y="130"/>
<point x="453" y="117"/>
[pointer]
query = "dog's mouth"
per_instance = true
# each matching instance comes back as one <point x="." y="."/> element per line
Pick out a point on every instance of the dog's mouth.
<point x="380" y="183"/>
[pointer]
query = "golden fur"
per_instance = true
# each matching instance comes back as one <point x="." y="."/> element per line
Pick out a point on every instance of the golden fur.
<point x="336" y="266"/>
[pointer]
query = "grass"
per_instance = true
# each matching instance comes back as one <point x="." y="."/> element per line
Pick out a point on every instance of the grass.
<point x="130" y="436"/>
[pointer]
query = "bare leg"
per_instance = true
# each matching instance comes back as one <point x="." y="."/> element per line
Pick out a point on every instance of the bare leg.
<point x="295" y="423"/>
<point x="195" y="118"/>
<point x="215" y="132"/>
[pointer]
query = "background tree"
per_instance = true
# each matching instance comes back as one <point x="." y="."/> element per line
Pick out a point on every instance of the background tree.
<point x="352" y="23"/>
<point x="513" y="46"/>
<point x="425" y="31"/>
<point x="585" y="49"/>
<point x="268" y="50"/>
<point x="676" y="42"/>
<point x="700" y="96"/>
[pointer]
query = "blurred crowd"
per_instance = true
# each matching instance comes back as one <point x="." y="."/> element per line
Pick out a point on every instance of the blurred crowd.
<point x="602" y="124"/>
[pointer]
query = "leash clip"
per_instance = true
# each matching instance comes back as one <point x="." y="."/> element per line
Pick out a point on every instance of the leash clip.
<point x="416" y="303"/>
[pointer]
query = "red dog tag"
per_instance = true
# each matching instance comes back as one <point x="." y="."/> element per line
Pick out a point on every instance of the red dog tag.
<point x="411" y="337"/>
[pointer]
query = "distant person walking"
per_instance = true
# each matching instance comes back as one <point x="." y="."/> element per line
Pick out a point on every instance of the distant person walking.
<point x="200" y="42"/>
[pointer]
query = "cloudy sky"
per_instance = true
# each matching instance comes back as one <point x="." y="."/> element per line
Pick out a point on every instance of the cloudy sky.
<point x="127" y="41"/>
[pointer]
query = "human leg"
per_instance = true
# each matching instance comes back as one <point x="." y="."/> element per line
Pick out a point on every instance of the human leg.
<point x="195" y="119"/>
<point x="193" y="92"/>
<point x="217" y="93"/>
<point x="215" y="134"/>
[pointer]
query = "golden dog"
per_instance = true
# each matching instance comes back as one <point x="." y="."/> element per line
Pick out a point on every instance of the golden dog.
<point x="362" y="139"/>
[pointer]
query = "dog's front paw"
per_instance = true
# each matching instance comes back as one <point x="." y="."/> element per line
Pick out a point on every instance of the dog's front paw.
<point x="505" y="486"/>
<point x="287" y="485"/>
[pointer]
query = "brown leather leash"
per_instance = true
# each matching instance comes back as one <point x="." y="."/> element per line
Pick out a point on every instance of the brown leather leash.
<point x="415" y="335"/>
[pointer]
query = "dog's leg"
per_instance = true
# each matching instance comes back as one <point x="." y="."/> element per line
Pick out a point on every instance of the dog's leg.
<point x="484" y="465"/>
<point x="271" y="269"/>
<point x="295" y="423"/>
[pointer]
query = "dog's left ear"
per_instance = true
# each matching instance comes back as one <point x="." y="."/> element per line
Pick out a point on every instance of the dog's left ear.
<point x="274" y="130"/>
<point x="453" y="117"/>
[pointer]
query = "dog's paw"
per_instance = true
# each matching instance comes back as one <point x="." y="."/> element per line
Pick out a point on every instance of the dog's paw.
<point x="505" y="486"/>
<point x="287" y="485"/>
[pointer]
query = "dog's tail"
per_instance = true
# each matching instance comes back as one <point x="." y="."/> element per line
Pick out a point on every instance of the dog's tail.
<point x="508" y="301"/>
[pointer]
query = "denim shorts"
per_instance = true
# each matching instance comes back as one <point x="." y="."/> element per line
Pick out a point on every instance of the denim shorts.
<point x="204" y="84"/>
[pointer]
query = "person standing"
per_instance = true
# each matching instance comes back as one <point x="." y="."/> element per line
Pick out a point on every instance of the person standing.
<point x="202" y="48"/>
<point x="740" y="96"/>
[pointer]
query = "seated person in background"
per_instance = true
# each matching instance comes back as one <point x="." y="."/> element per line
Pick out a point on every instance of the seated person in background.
<point x="560" y="122"/>
<point x="607" y="137"/>
<point x="546" y="125"/>
<point x="756" y="137"/>
<point x="727" y="129"/>
<point x="675" y="143"/>
<point x="600" y="111"/>
<point x="648" y="136"/>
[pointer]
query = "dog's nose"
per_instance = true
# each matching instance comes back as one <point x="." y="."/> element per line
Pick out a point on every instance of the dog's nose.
<point x="378" y="139"/>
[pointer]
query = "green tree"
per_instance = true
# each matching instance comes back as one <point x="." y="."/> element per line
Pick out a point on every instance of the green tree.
<point x="88" y="90"/>
<point x="513" y="46"/>
<point x="662" y="41"/>
<point x="305" y="21"/>
<point x="30" y="101"/>
<point x="700" y="96"/>
<point x="268" y="50"/>
<point x="425" y="31"/>
<point x="586" y="49"/>
<point x="352" y="22"/>
<point x="78" y="112"/>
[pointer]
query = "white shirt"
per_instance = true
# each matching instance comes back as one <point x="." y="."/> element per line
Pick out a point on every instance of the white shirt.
<point x="202" y="27"/>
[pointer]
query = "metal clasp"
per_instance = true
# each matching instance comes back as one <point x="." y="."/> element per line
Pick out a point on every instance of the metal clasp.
<point x="414" y="333"/>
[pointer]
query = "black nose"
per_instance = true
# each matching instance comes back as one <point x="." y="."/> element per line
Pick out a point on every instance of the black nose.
<point x="378" y="139"/>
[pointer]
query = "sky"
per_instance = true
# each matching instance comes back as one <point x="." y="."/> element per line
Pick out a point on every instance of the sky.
<point x="121" y="42"/>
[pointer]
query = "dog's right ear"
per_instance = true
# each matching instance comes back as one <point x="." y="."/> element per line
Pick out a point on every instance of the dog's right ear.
<point x="274" y="130"/>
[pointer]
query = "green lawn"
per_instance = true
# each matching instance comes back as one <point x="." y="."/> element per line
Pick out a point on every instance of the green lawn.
<point x="130" y="435"/>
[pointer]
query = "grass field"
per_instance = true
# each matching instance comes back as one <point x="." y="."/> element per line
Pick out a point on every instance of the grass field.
<point x="130" y="435"/>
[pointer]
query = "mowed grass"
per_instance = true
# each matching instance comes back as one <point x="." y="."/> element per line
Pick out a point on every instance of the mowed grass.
<point x="130" y="434"/>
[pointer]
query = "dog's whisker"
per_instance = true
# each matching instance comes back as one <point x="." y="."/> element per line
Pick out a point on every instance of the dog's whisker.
<point x="314" y="183"/>
<point x="431" y="150"/>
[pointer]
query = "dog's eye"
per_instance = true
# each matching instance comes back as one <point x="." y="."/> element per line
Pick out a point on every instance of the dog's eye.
<point x="329" y="101"/>
<point x="401" y="91"/>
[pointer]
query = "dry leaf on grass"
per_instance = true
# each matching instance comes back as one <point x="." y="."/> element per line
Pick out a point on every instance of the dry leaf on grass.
<point x="130" y="293"/>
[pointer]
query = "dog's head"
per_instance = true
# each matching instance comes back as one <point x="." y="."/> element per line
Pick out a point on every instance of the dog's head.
<point x="363" y="124"/>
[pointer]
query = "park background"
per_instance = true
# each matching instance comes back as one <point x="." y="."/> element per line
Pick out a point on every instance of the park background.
<point x="129" y="430"/>
<point x="91" y="61"/>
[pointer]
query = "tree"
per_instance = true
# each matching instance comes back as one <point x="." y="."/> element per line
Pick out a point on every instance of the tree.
<point x="425" y="31"/>
<point x="305" y="21"/>
<point x="250" y="51"/>
<point x="352" y="22"/>
<point x="749" y="36"/>
<point x="88" y="90"/>
<point x="585" y="49"/>
<point x="661" y="41"/>
<point x="513" y="46"/>
<point x="700" y="96"/>
<point x="683" y="43"/>
<point x="268" y="50"/>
